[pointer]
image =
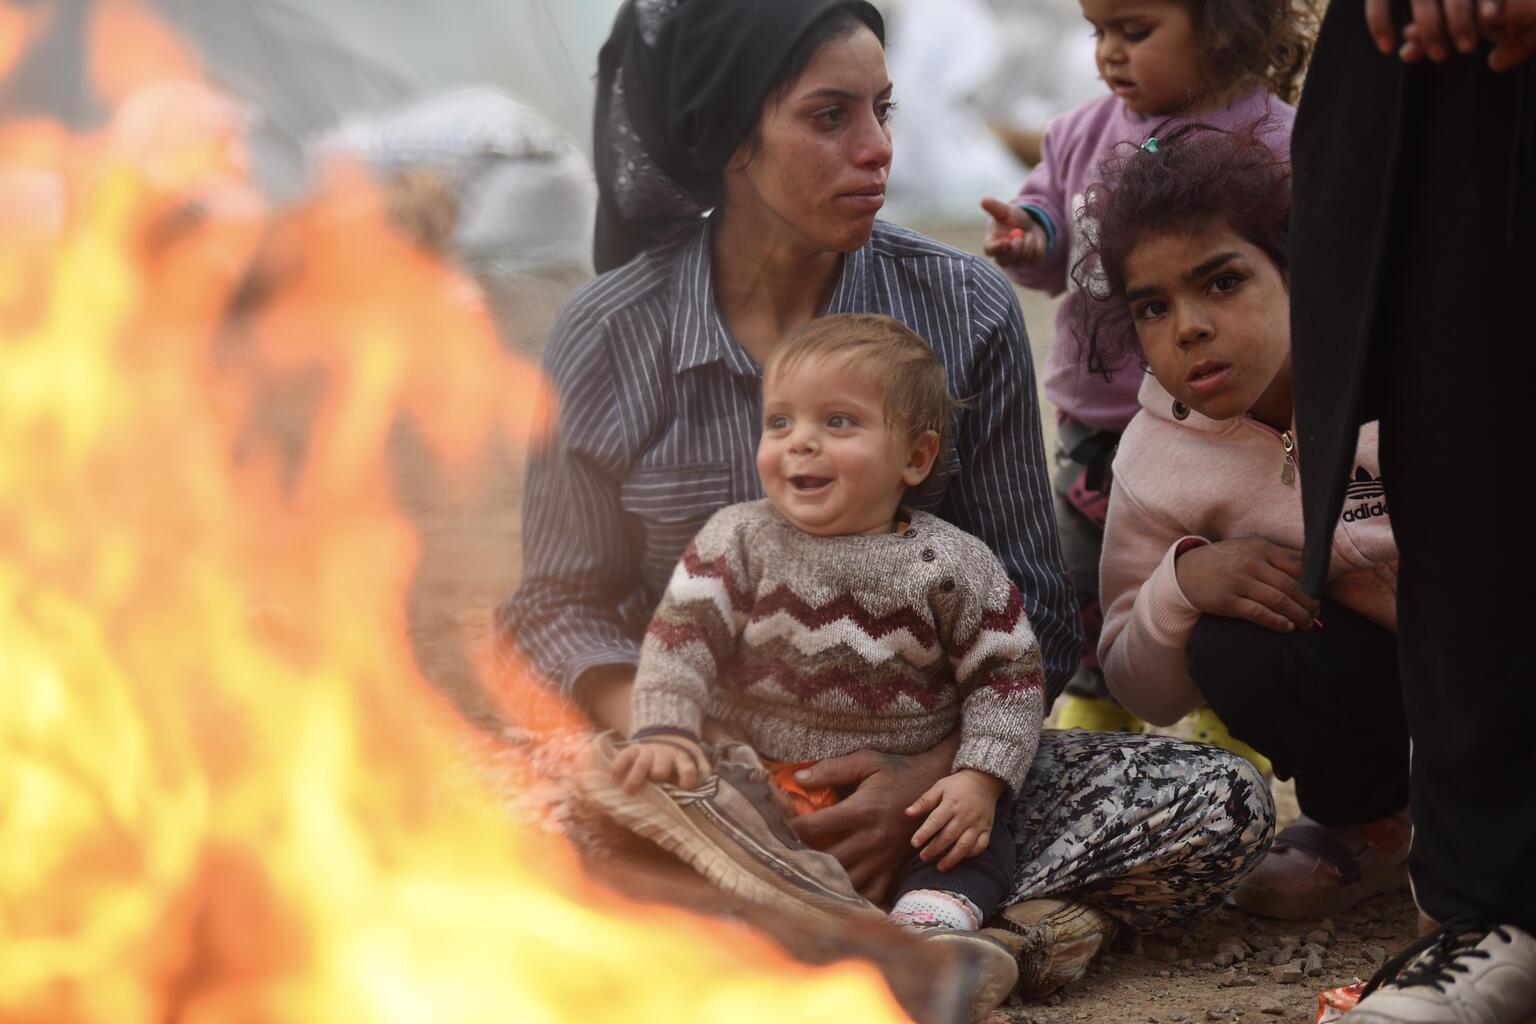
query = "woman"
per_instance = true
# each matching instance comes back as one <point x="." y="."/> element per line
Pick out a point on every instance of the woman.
<point x="774" y="115"/>
<point x="1201" y="566"/>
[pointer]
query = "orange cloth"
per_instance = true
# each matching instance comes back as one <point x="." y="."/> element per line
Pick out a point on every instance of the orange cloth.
<point x="801" y="800"/>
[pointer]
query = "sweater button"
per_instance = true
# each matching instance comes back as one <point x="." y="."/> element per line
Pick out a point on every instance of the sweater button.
<point x="947" y="586"/>
<point x="929" y="554"/>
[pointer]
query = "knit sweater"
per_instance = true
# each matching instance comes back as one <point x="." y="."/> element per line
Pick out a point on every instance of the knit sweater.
<point x="814" y="646"/>
<point x="1185" y="482"/>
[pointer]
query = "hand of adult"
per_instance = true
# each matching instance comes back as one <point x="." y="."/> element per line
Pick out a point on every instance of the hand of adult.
<point x="1014" y="238"/>
<point x="868" y="831"/>
<point x="1511" y="24"/>
<point x="1435" y="24"/>
<point x="1250" y="579"/>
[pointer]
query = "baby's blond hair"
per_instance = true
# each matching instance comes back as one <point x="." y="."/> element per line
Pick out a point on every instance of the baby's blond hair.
<point x="901" y="362"/>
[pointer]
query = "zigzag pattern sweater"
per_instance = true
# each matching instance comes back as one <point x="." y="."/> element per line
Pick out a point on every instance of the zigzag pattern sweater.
<point x="815" y="646"/>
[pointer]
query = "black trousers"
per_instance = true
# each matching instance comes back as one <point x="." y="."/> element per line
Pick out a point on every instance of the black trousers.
<point x="1457" y="363"/>
<point x="1324" y="705"/>
<point x="984" y="879"/>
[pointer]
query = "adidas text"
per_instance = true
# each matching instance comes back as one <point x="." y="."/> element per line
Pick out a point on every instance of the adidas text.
<point x="1365" y="510"/>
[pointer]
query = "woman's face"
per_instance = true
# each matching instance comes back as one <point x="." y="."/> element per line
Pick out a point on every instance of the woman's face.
<point x="1212" y="312"/>
<point x="816" y="176"/>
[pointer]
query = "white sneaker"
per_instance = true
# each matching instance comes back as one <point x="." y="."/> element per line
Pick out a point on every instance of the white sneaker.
<point x="1461" y="973"/>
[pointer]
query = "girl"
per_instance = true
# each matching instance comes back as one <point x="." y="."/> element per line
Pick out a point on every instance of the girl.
<point x="1201" y="549"/>
<point x="1225" y="63"/>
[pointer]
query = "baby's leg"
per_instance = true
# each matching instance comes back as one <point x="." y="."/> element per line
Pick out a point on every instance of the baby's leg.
<point x="949" y="907"/>
<point x="965" y="895"/>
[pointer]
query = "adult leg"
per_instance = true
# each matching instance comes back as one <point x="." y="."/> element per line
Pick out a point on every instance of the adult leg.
<point x="1149" y="829"/>
<point x="1448" y="374"/>
<point x="1457" y="361"/>
<point x="1457" y="324"/>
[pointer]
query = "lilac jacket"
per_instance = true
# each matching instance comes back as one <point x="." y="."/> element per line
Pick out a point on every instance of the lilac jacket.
<point x="1076" y="143"/>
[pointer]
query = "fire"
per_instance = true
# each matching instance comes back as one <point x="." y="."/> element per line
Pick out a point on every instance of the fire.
<point x="19" y="25"/>
<point x="226" y="792"/>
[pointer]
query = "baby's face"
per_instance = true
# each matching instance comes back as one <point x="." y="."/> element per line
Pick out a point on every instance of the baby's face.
<point x="828" y="459"/>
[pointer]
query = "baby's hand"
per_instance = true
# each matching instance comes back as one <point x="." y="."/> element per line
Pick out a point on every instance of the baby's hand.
<point x="960" y="821"/>
<point x="1014" y="238"/>
<point x="670" y="759"/>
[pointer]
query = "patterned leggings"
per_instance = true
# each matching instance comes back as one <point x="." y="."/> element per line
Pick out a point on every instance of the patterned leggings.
<point x="1148" y="829"/>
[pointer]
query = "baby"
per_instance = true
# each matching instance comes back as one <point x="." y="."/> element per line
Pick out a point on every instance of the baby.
<point x="828" y="618"/>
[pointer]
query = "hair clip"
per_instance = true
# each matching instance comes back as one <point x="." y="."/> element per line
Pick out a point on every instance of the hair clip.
<point x="1150" y="146"/>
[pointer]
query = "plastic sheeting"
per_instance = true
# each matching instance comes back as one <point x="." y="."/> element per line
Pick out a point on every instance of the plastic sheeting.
<point x="304" y="66"/>
<point x="941" y="53"/>
<point x="526" y="194"/>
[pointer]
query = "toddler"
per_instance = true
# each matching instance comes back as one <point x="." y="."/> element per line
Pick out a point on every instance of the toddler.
<point x="827" y="618"/>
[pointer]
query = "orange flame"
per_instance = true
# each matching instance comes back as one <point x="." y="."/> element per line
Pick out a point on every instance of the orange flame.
<point x="19" y="26"/>
<point x="226" y="792"/>
<point x="129" y="48"/>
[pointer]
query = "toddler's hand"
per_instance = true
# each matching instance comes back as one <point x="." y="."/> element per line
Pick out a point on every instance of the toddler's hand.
<point x="673" y="759"/>
<point x="1014" y="238"/>
<point x="959" y="809"/>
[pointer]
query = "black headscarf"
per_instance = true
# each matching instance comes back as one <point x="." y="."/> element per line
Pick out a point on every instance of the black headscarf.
<point x="679" y="87"/>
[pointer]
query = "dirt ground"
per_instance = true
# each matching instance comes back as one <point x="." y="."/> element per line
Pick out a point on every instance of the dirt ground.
<point x="1228" y="966"/>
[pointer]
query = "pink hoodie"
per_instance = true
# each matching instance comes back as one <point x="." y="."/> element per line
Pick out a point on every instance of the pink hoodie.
<point x="1215" y="480"/>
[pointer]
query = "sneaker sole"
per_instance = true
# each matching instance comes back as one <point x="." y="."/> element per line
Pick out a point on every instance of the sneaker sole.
<point x="995" y="970"/>
<point x="702" y="841"/>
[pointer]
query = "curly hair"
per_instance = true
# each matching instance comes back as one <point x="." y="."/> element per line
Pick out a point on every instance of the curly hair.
<point x="1194" y="177"/>
<point x="1256" y="40"/>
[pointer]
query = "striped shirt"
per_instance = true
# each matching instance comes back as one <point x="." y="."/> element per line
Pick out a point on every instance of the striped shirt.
<point x="660" y="413"/>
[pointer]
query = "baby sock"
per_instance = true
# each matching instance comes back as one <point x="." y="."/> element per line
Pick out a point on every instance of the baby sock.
<point x="935" y="908"/>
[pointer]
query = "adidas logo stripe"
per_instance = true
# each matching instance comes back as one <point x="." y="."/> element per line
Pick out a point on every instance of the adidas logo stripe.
<point x="1364" y="488"/>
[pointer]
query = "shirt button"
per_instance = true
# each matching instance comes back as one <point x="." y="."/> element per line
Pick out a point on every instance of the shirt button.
<point x="929" y="554"/>
<point x="947" y="586"/>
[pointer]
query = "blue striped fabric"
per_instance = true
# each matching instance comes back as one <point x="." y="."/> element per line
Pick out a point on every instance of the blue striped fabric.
<point x="660" y="412"/>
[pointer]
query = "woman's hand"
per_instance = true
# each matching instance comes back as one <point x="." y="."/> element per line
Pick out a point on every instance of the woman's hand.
<point x="867" y="830"/>
<point x="1436" y="24"/>
<point x="1247" y="579"/>
<point x="670" y="759"/>
<point x="1511" y="24"/>
<point x="1014" y="238"/>
<point x="959" y="809"/>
